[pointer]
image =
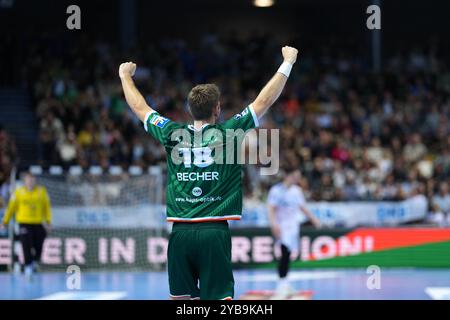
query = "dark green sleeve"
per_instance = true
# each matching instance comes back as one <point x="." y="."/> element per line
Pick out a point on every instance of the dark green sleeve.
<point x="245" y="120"/>
<point x="158" y="126"/>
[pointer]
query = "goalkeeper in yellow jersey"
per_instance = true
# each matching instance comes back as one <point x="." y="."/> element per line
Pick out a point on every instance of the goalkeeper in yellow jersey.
<point x="31" y="206"/>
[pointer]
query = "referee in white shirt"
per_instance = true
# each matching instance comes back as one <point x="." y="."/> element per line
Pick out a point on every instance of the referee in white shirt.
<point x="286" y="203"/>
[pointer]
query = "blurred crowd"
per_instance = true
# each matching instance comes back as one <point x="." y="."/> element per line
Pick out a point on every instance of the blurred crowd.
<point x="354" y="133"/>
<point x="8" y="156"/>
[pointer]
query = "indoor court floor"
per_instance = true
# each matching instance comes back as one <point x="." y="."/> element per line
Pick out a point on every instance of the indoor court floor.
<point x="324" y="284"/>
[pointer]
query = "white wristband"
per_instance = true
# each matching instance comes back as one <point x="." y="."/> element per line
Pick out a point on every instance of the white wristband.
<point x="285" y="68"/>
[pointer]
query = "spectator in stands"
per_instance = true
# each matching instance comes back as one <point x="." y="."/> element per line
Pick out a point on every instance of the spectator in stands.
<point x="4" y="190"/>
<point x="441" y="200"/>
<point x="8" y="157"/>
<point x="68" y="148"/>
<point x="414" y="149"/>
<point x="389" y="190"/>
<point x="349" y="190"/>
<point x="436" y="217"/>
<point x="375" y="152"/>
<point x="51" y="129"/>
<point x="8" y="149"/>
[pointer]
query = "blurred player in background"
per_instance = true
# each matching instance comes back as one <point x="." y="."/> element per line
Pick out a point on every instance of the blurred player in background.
<point x="201" y="194"/>
<point x="286" y="203"/>
<point x="30" y="205"/>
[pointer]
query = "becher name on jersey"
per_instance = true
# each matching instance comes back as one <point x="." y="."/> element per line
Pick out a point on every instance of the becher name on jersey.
<point x="198" y="176"/>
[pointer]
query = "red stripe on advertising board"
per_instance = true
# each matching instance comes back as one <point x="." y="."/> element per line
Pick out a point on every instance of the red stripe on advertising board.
<point x="389" y="238"/>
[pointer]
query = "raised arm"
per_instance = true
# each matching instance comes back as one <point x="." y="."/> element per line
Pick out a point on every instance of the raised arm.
<point x="272" y="90"/>
<point x="134" y="98"/>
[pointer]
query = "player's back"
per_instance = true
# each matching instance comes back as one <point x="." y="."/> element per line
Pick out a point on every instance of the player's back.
<point x="204" y="176"/>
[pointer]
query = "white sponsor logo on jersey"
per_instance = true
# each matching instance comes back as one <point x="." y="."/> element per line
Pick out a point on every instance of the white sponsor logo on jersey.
<point x="197" y="191"/>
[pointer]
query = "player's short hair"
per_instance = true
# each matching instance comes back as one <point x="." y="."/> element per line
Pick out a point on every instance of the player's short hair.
<point x="289" y="170"/>
<point x="202" y="99"/>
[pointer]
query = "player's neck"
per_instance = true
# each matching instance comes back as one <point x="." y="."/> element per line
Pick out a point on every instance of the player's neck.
<point x="287" y="184"/>
<point x="199" y="124"/>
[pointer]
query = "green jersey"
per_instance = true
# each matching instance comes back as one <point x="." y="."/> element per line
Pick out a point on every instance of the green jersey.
<point x="204" y="176"/>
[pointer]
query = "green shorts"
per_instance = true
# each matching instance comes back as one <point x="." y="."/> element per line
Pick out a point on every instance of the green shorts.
<point x="199" y="261"/>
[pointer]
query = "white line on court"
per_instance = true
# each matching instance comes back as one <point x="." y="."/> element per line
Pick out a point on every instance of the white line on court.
<point x="438" y="293"/>
<point x="293" y="276"/>
<point x="85" y="295"/>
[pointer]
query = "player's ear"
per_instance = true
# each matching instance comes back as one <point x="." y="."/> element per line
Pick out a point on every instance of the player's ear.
<point x="217" y="112"/>
<point x="189" y="110"/>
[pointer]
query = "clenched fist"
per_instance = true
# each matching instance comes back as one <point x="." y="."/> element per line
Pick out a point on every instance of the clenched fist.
<point x="127" y="69"/>
<point x="289" y="54"/>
